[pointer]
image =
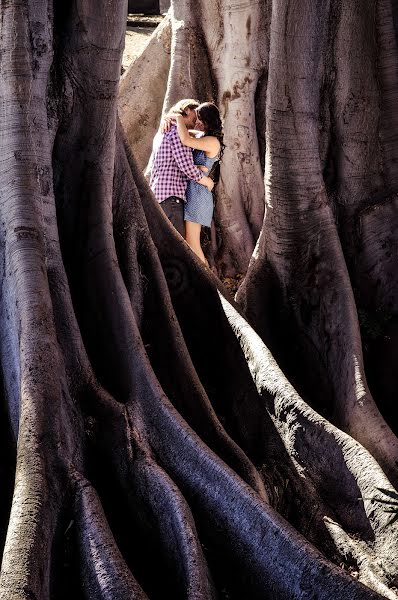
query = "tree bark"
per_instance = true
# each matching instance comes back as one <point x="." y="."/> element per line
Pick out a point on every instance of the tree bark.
<point x="321" y="178"/>
<point x="159" y="450"/>
<point x="142" y="92"/>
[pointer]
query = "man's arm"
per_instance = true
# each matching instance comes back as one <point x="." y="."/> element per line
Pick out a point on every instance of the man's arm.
<point x="183" y="157"/>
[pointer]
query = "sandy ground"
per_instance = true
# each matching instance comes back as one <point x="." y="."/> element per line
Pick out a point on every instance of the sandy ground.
<point x="136" y="40"/>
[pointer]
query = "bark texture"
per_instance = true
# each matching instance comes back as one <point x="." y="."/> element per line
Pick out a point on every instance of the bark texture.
<point x="152" y="446"/>
<point x="142" y="91"/>
<point x="322" y="265"/>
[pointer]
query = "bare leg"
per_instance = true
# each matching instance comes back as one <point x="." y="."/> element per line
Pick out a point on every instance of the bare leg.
<point x="192" y="236"/>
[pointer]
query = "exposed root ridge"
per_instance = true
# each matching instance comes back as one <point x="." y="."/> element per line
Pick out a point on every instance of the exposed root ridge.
<point x="105" y="573"/>
<point x="261" y="546"/>
<point x="309" y="439"/>
<point x="166" y="510"/>
<point x="186" y="391"/>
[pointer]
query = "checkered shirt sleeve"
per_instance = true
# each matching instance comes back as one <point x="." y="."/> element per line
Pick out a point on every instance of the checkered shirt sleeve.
<point x="183" y="156"/>
<point x="172" y="166"/>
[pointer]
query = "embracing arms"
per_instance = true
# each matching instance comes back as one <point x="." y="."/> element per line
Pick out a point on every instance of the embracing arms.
<point x="208" y="144"/>
<point x="183" y="157"/>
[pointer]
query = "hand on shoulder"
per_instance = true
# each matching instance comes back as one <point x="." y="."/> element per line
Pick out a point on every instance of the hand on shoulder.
<point x="167" y="122"/>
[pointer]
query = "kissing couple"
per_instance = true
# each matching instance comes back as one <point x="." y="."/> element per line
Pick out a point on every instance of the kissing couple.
<point x="186" y="149"/>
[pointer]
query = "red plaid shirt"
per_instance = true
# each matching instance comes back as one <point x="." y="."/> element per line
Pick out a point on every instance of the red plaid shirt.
<point x="172" y="166"/>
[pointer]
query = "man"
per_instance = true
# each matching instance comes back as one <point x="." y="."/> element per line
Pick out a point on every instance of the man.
<point x="172" y="165"/>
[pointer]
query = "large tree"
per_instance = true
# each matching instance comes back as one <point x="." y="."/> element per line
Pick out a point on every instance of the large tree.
<point x="151" y="445"/>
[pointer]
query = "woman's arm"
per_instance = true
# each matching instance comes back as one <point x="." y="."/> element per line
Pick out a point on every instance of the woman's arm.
<point x="209" y="143"/>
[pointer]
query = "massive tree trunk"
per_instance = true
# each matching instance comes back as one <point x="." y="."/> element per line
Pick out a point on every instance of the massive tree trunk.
<point x="158" y="449"/>
<point x="326" y="261"/>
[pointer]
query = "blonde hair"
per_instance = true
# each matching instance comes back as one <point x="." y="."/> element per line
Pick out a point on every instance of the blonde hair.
<point x="183" y="105"/>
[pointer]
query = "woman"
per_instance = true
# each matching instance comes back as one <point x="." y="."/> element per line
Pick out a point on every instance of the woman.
<point x="207" y="149"/>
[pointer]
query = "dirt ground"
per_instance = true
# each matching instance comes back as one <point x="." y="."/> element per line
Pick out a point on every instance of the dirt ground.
<point x="139" y="30"/>
<point x="136" y="40"/>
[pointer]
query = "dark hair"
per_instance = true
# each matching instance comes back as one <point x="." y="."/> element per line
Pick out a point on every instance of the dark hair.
<point x="209" y="114"/>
